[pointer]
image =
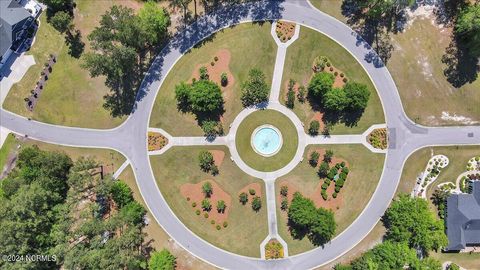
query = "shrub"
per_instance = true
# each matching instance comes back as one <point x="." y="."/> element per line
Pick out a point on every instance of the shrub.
<point x="342" y="75"/>
<point x="314" y="127"/>
<point x="188" y="199"/>
<point x="218" y="227"/>
<point x="215" y="58"/>
<point x="214" y="170"/>
<point x="314" y="156"/>
<point x="251" y="191"/>
<point x="205" y="215"/>
<point x="335" y="73"/>
<point x="342" y="164"/>
<point x="211" y="128"/>
<point x="212" y="63"/>
<point x="162" y="260"/>
<point x="331" y="68"/>
<point x="197" y="212"/>
<point x="207" y="189"/>
<point x="224" y="79"/>
<point x="290" y="103"/>
<point x="345" y="80"/>
<point x="203" y="71"/>
<point x="121" y="193"/>
<point x="327" y="181"/>
<point x="206" y="205"/>
<point x="301" y="94"/>
<point x="284" y="190"/>
<point x="338" y="166"/>
<point x="339" y="182"/>
<point x="324" y="186"/>
<point x="343" y="176"/>
<point x="345" y="170"/>
<point x="328" y="156"/>
<point x="324" y="195"/>
<point x="337" y="189"/>
<point x="255" y="90"/>
<point x="328" y="64"/>
<point x="225" y="224"/>
<point x="256" y="203"/>
<point x="284" y="204"/>
<point x="319" y="63"/>
<point x="243" y="198"/>
<point x="194" y="204"/>
<point x="212" y="222"/>
<point x="334" y="195"/>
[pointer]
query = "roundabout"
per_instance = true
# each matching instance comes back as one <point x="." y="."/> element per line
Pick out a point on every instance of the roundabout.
<point x="129" y="138"/>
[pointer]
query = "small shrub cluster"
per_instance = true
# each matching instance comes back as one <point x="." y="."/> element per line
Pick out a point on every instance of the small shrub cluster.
<point x="273" y="250"/>
<point x="207" y="163"/>
<point x="378" y="138"/>
<point x="290" y="102"/>
<point x="256" y="202"/>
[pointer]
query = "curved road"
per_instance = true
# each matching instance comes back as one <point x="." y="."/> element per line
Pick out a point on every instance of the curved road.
<point x="130" y="138"/>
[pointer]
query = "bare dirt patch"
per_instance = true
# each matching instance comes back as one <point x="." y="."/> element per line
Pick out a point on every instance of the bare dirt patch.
<point x="218" y="157"/>
<point x="221" y="65"/>
<point x="285" y="30"/>
<point x="156" y="141"/>
<point x="194" y="196"/>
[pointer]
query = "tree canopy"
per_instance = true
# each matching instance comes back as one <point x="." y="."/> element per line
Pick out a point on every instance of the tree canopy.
<point x="320" y="84"/>
<point x="357" y="96"/>
<point x="155" y="22"/>
<point x="306" y="220"/>
<point x="468" y="28"/>
<point x="335" y="100"/>
<point x="163" y="260"/>
<point x="410" y="220"/>
<point x="255" y="90"/>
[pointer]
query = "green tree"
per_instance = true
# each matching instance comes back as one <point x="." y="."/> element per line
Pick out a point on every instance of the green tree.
<point x="284" y="204"/>
<point x="206" y="97"/>
<point x="62" y="21"/>
<point x="284" y="191"/>
<point x="256" y="203"/>
<point x="155" y="22"/>
<point x="221" y="206"/>
<point x="55" y="6"/>
<point x="335" y="100"/>
<point x="320" y="84"/>
<point x="224" y="79"/>
<point x="210" y="128"/>
<point x="206" y="205"/>
<point x="207" y="189"/>
<point x="357" y="96"/>
<point x="163" y="260"/>
<point x="323" y="227"/>
<point x="314" y="127"/>
<point x="182" y="95"/>
<point x="387" y="255"/>
<point x="243" y="198"/>
<point x="255" y="90"/>
<point x="314" y="156"/>
<point x="206" y="161"/>
<point x="323" y="169"/>
<point x="327" y="157"/>
<point x="426" y="264"/>
<point x="133" y="212"/>
<point x="121" y="193"/>
<point x="410" y="220"/>
<point x="467" y="27"/>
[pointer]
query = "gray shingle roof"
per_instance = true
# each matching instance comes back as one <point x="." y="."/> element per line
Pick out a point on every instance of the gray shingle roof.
<point x="463" y="219"/>
<point x="11" y="13"/>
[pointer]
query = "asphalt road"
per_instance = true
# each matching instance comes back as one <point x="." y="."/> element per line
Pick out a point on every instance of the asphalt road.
<point x="130" y="138"/>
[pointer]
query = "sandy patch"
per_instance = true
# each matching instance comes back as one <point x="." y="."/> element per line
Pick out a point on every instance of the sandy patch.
<point x="215" y="71"/>
<point x="458" y="118"/>
<point x="194" y="192"/>
<point x="218" y="157"/>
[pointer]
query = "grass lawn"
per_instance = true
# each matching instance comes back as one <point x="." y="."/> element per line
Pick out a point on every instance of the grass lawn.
<point x="417" y="69"/>
<point x="71" y="97"/>
<point x="156" y="237"/>
<point x="365" y="171"/>
<point x="246" y="228"/>
<point x="250" y="45"/>
<point x="289" y="135"/>
<point x="7" y="148"/>
<point x="298" y="66"/>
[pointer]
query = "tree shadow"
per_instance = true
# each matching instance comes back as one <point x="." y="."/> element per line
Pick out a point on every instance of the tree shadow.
<point x="297" y="232"/>
<point x="462" y="68"/>
<point x="75" y="44"/>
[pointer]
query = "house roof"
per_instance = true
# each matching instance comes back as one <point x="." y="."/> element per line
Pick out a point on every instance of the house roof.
<point x="11" y="13"/>
<point x="463" y="218"/>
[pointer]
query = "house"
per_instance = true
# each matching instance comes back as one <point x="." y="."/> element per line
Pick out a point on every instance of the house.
<point x="16" y="19"/>
<point x="463" y="219"/>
